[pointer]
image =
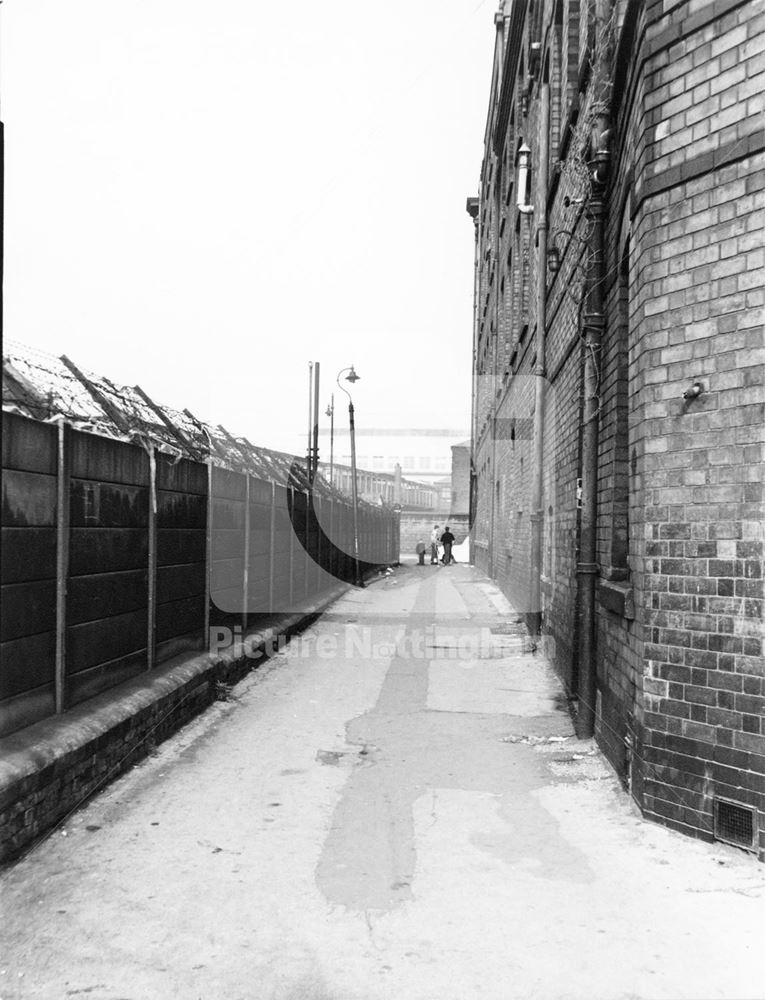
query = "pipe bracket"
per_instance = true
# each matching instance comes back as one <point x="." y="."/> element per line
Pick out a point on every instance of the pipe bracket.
<point x="587" y="568"/>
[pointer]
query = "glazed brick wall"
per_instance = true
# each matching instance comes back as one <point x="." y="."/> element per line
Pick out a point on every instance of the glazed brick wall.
<point x="700" y="295"/>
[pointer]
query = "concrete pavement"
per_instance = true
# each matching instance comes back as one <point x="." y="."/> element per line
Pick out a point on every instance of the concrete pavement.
<point x="392" y="807"/>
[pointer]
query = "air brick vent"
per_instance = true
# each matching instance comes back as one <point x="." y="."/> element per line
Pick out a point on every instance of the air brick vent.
<point x="734" y="823"/>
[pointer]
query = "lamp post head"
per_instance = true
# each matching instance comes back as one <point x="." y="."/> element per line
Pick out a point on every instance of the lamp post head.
<point x="329" y="411"/>
<point x="352" y="376"/>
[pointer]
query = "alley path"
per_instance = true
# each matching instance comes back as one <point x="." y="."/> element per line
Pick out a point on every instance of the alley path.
<point x="393" y="808"/>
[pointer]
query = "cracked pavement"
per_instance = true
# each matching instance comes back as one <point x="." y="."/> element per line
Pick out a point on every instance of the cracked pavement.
<point x="394" y="806"/>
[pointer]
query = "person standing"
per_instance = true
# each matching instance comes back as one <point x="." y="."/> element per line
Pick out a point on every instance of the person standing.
<point x="420" y="550"/>
<point x="435" y="538"/>
<point x="447" y="540"/>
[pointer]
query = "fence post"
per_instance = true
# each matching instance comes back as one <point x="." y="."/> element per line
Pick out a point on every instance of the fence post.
<point x="272" y="550"/>
<point x="152" y="567"/>
<point x="208" y="552"/>
<point x="62" y="561"/>
<point x="246" y="568"/>
<point x="291" y="502"/>
<point x="317" y="522"/>
<point x="306" y="547"/>
<point x="333" y="546"/>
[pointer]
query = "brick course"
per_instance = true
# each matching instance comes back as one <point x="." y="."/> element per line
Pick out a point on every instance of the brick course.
<point x="679" y="505"/>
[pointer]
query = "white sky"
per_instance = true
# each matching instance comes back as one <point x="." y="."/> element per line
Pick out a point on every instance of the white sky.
<point x="202" y="198"/>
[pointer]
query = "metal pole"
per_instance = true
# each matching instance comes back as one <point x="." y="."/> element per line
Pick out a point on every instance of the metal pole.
<point x="356" y="573"/>
<point x="152" y="589"/>
<point x="246" y="568"/>
<point x="291" y="560"/>
<point x="316" y="507"/>
<point x="62" y="562"/>
<point x="333" y="548"/>
<point x="315" y="456"/>
<point x="332" y="441"/>
<point x="306" y="544"/>
<point x="310" y="417"/>
<point x="272" y="550"/>
<point x="208" y="548"/>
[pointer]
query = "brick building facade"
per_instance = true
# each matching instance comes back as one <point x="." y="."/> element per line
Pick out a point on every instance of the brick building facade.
<point x="460" y="482"/>
<point x="618" y="393"/>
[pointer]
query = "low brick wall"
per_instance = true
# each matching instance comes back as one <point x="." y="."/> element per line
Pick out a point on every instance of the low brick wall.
<point x="51" y="768"/>
<point x="416" y="526"/>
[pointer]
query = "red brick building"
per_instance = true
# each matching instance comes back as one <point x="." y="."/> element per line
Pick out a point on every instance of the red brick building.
<point x="618" y="383"/>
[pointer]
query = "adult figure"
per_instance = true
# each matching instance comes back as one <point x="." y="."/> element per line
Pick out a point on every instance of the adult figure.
<point x="447" y="540"/>
<point x="420" y="550"/>
<point x="435" y="538"/>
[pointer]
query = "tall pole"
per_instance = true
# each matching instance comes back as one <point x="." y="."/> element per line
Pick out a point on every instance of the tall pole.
<point x="355" y="494"/>
<point x="331" y="415"/>
<point x="353" y="377"/>
<point x="315" y="454"/>
<point x="310" y="418"/>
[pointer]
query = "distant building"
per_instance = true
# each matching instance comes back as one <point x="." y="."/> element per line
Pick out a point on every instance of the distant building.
<point x="423" y="454"/>
<point x="618" y="383"/>
<point x="460" y="482"/>
<point x="382" y="487"/>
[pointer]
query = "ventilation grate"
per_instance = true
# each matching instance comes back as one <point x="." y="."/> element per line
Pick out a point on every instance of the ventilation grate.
<point x="734" y="823"/>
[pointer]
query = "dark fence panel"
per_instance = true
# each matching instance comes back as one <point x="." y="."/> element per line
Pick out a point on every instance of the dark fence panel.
<point x="181" y="556"/>
<point x="109" y="512"/>
<point x="116" y="557"/>
<point x="227" y="546"/>
<point x="28" y="581"/>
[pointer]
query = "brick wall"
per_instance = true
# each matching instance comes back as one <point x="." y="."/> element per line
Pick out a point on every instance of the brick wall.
<point x="416" y="526"/>
<point x="698" y="314"/>
<point x="679" y="603"/>
<point x="56" y="765"/>
<point x="460" y="479"/>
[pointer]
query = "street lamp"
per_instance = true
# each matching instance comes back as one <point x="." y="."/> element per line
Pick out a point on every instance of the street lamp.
<point x="331" y="415"/>
<point x="352" y="377"/>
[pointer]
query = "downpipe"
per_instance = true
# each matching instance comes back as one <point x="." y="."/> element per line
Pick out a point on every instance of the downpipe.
<point x="593" y="325"/>
<point x="534" y="619"/>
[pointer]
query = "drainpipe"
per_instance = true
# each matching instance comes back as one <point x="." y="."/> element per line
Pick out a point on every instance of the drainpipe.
<point x="540" y="369"/>
<point x="494" y="365"/>
<point x="473" y="209"/>
<point x="593" y="325"/>
<point x="499" y="23"/>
